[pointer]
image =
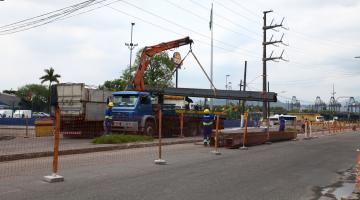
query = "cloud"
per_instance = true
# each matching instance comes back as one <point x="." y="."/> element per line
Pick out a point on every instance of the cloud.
<point x="90" y="48"/>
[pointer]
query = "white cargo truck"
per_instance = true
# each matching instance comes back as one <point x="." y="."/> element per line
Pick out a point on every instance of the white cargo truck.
<point x="82" y="109"/>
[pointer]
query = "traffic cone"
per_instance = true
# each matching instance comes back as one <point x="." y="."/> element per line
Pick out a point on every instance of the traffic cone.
<point x="357" y="171"/>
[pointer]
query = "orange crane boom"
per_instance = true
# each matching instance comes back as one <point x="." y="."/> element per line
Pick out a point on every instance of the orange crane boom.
<point x="138" y="81"/>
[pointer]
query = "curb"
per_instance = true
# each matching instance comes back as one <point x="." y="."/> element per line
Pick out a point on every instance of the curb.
<point x="21" y="156"/>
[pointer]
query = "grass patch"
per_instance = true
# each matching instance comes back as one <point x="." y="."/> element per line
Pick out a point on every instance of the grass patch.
<point x="121" y="138"/>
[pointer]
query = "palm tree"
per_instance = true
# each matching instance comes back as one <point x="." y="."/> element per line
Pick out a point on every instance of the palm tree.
<point x="51" y="77"/>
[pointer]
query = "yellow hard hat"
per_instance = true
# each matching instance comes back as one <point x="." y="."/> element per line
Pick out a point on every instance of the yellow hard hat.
<point x="110" y="104"/>
<point x="206" y="111"/>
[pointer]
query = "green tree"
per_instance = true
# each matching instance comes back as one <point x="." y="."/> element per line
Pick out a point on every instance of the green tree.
<point x="159" y="73"/>
<point x="278" y="110"/>
<point x="114" y="85"/>
<point x="33" y="97"/>
<point x="11" y="91"/>
<point x="160" y="70"/>
<point x="51" y="77"/>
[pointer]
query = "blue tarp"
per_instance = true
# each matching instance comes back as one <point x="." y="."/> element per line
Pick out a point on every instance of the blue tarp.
<point x="231" y="123"/>
<point x="17" y="121"/>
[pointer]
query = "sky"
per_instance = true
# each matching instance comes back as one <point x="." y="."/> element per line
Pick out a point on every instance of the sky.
<point x="89" y="45"/>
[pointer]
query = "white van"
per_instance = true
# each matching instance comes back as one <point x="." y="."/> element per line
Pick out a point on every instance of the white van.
<point x="6" y="113"/>
<point x="275" y="119"/>
<point x="22" y="114"/>
<point x="319" y="119"/>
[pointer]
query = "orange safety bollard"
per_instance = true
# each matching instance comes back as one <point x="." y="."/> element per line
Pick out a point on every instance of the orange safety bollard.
<point x="26" y="128"/>
<point x="357" y="170"/>
<point x="245" y="131"/>
<point x="216" y="138"/>
<point x="181" y="124"/>
<point x="160" y="161"/>
<point x="56" y="143"/>
<point x="54" y="177"/>
<point x="268" y="132"/>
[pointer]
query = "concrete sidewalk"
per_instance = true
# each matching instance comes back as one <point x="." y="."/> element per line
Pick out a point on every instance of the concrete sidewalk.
<point x="18" y="131"/>
<point x="323" y="133"/>
<point x="35" y="147"/>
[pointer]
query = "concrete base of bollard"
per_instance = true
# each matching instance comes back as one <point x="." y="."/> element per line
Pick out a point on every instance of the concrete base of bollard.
<point x="268" y="142"/>
<point x="356" y="190"/>
<point x="53" y="178"/>
<point x="351" y="197"/>
<point x="216" y="152"/>
<point x="243" y="148"/>
<point x="160" y="162"/>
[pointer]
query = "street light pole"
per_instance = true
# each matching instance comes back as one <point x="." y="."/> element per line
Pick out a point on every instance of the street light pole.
<point x="131" y="46"/>
<point x="226" y="86"/>
<point x="226" y="82"/>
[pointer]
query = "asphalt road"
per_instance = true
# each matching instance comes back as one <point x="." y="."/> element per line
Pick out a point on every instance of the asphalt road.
<point x="285" y="170"/>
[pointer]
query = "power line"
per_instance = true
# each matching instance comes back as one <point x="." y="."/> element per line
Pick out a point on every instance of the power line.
<point x="90" y="10"/>
<point x="243" y="7"/>
<point x="225" y="18"/>
<point x="168" y="29"/>
<point x="285" y="97"/>
<point x="325" y="42"/>
<point x="205" y="19"/>
<point x="183" y="27"/>
<point x="237" y="13"/>
<point x="305" y="36"/>
<point x="21" y="21"/>
<point x="46" y="18"/>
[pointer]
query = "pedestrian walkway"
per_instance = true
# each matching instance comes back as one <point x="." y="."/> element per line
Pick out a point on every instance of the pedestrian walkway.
<point x="25" y="148"/>
<point x="324" y="133"/>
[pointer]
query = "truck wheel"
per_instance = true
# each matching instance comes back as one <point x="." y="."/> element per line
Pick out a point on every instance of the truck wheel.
<point x="149" y="128"/>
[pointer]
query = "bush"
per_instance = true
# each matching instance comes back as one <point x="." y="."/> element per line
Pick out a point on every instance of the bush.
<point x="120" y="138"/>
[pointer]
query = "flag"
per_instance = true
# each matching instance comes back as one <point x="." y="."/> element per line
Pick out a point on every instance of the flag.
<point x="211" y="17"/>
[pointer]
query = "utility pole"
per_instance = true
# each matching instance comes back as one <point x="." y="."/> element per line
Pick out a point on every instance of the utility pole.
<point x="268" y="113"/>
<point x="131" y="46"/>
<point x="226" y="86"/>
<point x="177" y="76"/>
<point x="226" y="81"/>
<point x="240" y="101"/>
<point x="271" y="58"/>
<point x="244" y="89"/>
<point x="211" y="24"/>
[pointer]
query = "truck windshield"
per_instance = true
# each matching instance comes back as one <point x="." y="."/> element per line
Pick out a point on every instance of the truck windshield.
<point x="125" y="100"/>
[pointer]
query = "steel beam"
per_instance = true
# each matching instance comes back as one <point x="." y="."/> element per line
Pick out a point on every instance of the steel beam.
<point x="218" y="94"/>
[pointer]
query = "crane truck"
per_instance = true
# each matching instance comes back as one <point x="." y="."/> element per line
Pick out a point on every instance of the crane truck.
<point x="135" y="109"/>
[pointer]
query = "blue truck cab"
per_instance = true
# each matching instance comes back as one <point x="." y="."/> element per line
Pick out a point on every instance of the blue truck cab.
<point x="133" y="112"/>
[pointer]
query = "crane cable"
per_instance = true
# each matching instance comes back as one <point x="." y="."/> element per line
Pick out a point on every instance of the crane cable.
<point x="207" y="76"/>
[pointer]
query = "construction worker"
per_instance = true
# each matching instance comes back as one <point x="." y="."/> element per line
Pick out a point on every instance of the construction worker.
<point x="282" y="124"/>
<point x="207" y="126"/>
<point x="108" y="118"/>
<point x="307" y="128"/>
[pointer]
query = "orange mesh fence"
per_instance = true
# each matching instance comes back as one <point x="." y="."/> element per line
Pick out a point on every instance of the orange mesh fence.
<point x="28" y="148"/>
<point x="22" y="140"/>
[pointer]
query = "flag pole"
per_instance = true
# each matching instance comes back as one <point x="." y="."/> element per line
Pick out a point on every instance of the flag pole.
<point x="212" y="52"/>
